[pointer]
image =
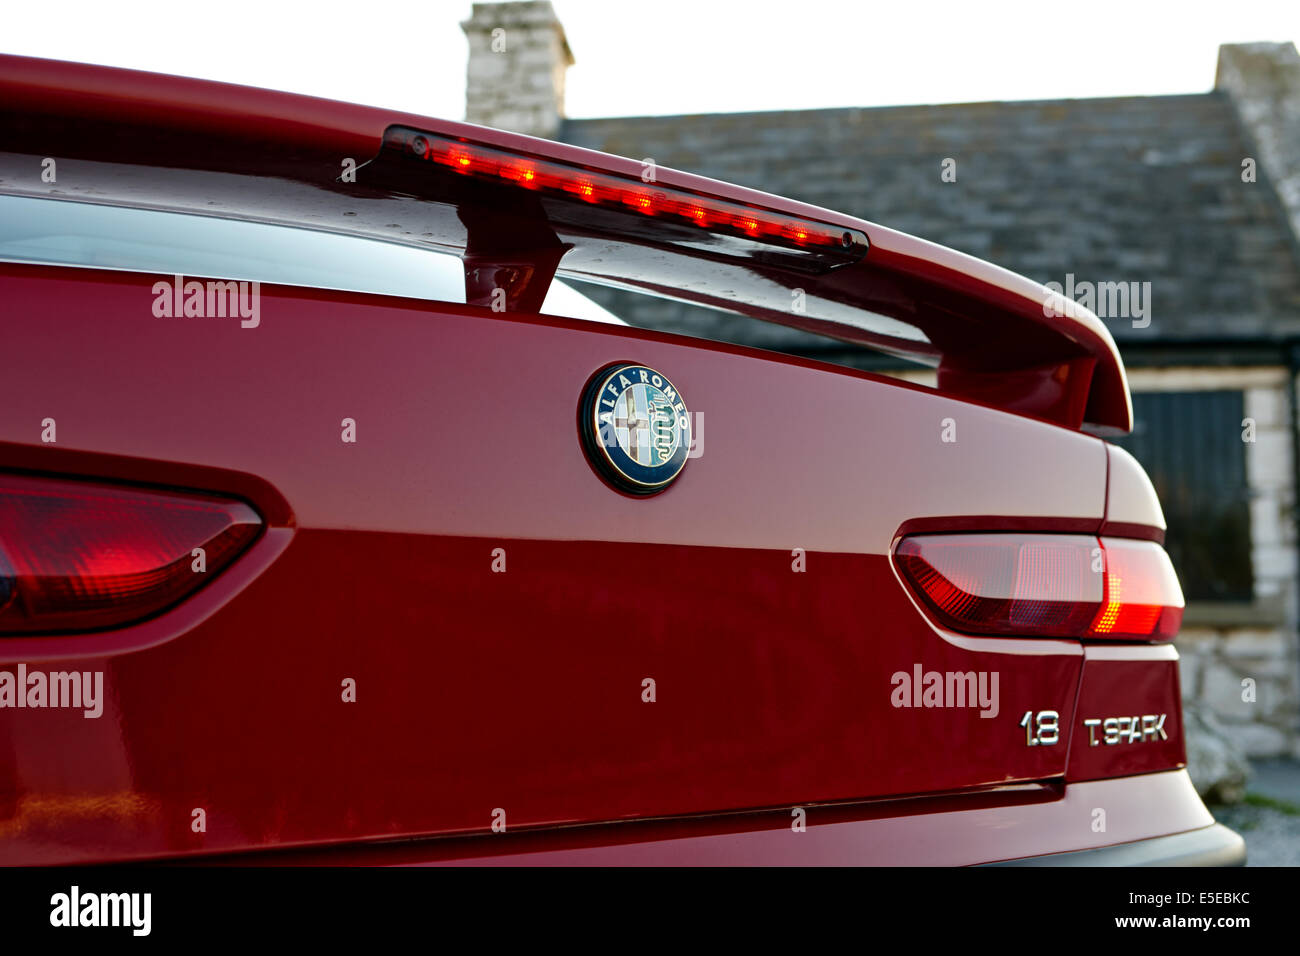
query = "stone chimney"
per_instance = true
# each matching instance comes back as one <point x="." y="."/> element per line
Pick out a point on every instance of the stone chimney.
<point x="517" y="58"/>
<point x="1263" y="82"/>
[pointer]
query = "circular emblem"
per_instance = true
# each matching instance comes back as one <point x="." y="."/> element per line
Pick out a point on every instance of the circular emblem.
<point x="636" y="427"/>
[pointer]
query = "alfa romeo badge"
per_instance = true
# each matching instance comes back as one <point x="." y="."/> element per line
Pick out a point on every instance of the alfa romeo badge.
<point x="636" y="428"/>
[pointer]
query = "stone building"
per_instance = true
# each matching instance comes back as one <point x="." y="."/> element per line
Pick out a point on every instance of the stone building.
<point x="1175" y="218"/>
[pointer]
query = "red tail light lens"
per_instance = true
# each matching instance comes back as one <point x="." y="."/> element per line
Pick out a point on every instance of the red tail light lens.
<point x="1041" y="585"/>
<point x="79" y="556"/>
<point x="1006" y="584"/>
<point x="1143" y="598"/>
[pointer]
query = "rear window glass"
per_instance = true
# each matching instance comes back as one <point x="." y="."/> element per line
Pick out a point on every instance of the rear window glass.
<point x="144" y="240"/>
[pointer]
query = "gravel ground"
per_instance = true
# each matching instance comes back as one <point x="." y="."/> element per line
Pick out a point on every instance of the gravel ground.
<point x="1269" y="818"/>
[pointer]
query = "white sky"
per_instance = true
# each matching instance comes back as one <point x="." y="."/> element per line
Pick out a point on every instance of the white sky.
<point x="637" y="57"/>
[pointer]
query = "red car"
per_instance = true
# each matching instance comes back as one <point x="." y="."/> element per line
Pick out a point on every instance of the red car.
<point x="335" y="527"/>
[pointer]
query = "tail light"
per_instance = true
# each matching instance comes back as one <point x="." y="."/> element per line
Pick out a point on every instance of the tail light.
<point x="578" y="186"/>
<point x="1040" y="585"/>
<point x="78" y="556"/>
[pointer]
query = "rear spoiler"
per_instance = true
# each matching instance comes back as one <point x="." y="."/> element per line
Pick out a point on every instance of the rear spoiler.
<point x="519" y="210"/>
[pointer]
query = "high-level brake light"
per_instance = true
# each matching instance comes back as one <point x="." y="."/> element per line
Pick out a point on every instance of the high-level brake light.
<point x="76" y="555"/>
<point x="577" y="184"/>
<point x="1041" y="585"/>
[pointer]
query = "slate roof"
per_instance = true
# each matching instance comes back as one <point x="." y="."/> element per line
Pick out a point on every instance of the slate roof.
<point x="1132" y="189"/>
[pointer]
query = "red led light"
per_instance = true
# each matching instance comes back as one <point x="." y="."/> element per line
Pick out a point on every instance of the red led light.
<point x="638" y="200"/>
<point x="1045" y="585"/>
<point x="610" y="190"/>
<point x="78" y="555"/>
<point x="518" y="174"/>
<point x="1139" y="582"/>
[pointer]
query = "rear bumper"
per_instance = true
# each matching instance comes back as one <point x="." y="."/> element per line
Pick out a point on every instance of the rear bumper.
<point x="1209" y="846"/>
<point x="1148" y="819"/>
